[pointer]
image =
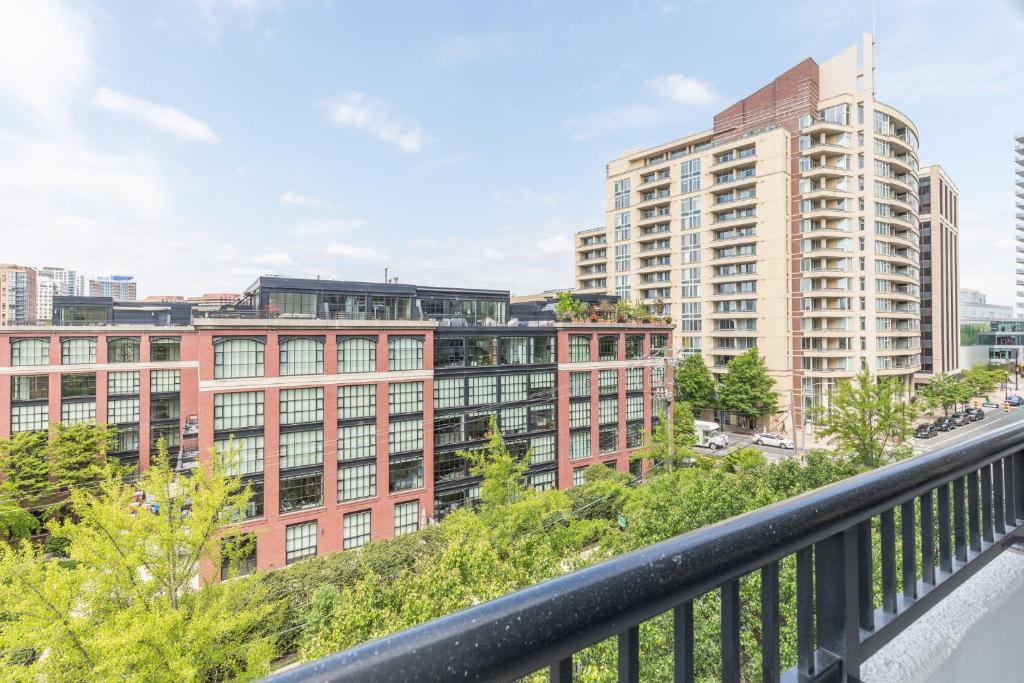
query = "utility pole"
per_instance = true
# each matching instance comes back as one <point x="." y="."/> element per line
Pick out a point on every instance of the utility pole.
<point x="669" y="414"/>
<point x="792" y="419"/>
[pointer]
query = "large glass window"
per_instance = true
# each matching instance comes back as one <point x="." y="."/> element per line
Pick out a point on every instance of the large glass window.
<point x="634" y="435"/>
<point x="29" y="418"/>
<point x="635" y="407"/>
<point x="163" y="349"/>
<point x="542" y="349"/>
<point x="405" y="473"/>
<point x="357" y="481"/>
<point x="542" y="449"/>
<point x="237" y="358"/>
<point x="634" y="379"/>
<point x="542" y="418"/>
<point x="75" y="386"/>
<point x="659" y="345"/>
<point x="357" y="442"/>
<point x="164" y="381"/>
<point x="514" y="420"/>
<point x="579" y="414"/>
<point x="542" y="481"/>
<point x="249" y="459"/>
<point x="78" y="351"/>
<point x="299" y="541"/>
<point x="542" y="385"/>
<point x="514" y="388"/>
<point x="125" y="383"/>
<point x="478" y="425"/>
<point x="301" y="406"/>
<point x="30" y="388"/>
<point x="608" y="381"/>
<point x="301" y="491"/>
<point x="357" y="354"/>
<point x="634" y="346"/>
<point x="165" y="408"/>
<point x="449" y="353"/>
<point x="608" y="410"/>
<point x="449" y="392"/>
<point x="238" y="556"/>
<point x="126" y="440"/>
<point x="515" y="350"/>
<point x="482" y="390"/>
<point x="30" y="352"/>
<point x="405" y="436"/>
<point x="579" y="445"/>
<point x="482" y="351"/>
<point x="448" y="430"/>
<point x="302" y="449"/>
<point x="407" y="517"/>
<point x="123" y="410"/>
<point x="405" y="397"/>
<point x="579" y="348"/>
<point x="608" y="438"/>
<point x="123" y="350"/>
<point x="405" y="353"/>
<point x="356" y="528"/>
<point x="302" y="356"/>
<point x="72" y="412"/>
<point x="357" y="401"/>
<point x="292" y="303"/>
<point x="242" y="410"/>
<point x="608" y="347"/>
<point x="579" y="384"/>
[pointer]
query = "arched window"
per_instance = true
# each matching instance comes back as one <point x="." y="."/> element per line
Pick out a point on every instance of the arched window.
<point x="302" y="356"/>
<point x="30" y="352"/>
<point x="123" y="350"/>
<point x="78" y="350"/>
<point x="240" y="357"/>
<point x="357" y="354"/>
<point x="405" y="353"/>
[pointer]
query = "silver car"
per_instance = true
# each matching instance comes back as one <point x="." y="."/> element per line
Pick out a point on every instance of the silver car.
<point x="769" y="439"/>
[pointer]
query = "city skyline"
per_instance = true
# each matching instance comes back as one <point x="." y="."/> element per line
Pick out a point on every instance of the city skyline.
<point x="499" y="150"/>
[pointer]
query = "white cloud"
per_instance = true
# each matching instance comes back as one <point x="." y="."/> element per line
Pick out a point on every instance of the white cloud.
<point x="680" y="89"/>
<point x="299" y="199"/>
<point x="325" y="227"/>
<point x="44" y="58"/>
<point x="272" y="259"/>
<point x="554" y="245"/>
<point x="159" y="116"/>
<point x="468" y="48"/>
<point x="354" y="252"/>
<point x="375" y="117"/>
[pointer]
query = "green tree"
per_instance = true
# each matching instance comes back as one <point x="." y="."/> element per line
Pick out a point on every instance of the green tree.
<point x="694" y="384"/>
<point x="983" y="380"/>
<point x="942" y="391"/>
<point x="78" y="452"/>
<point x="128" y="605"/>
<point x="656" y="442"/>
<point x="747" y="388"/>
<point x="504" y="475"/>
<point x="868" y="420"/>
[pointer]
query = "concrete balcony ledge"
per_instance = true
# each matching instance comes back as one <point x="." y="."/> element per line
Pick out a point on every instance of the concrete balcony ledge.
<point x="974" y="634"/>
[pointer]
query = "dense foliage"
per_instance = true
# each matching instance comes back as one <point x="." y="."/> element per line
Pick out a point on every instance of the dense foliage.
<point x="694" y="383"/>
<point x="747" y="388"/>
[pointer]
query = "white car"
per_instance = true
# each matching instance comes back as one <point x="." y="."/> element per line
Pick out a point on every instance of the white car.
<point x="769" y="439"/>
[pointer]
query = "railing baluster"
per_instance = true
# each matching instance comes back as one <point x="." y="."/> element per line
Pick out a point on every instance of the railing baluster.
<point x="561" y="671"/>
<point x="804" y="611"/>
<point x="998" y="512"/>
<point x="770" y="668"/>
<point x="908" y="548"/>
<point x="731" y="631"/>
<point x="986" y="504"/>
<point x="835" y="610"/>
<point x="865" y="577"/>
<point x="1008" y="479"/>
<point x="682" y="618"/>
<point x="959" y="520"/>
<point x="1018" y="485"/>
<point x="888" y="562"/>
<point x="629" y="655"/>
<point x="973" y="519"/>
<point x="945" y="550"/>
<point x="927" y="539"/>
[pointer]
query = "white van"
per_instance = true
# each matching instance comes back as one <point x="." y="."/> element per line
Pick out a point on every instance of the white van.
<point x="710" y="435"/>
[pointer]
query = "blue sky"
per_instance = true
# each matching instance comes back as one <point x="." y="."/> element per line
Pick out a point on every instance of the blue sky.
<point x="200" y="143"/>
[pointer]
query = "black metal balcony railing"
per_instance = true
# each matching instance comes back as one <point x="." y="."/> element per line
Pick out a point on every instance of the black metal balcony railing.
<point x="960" y="506"/>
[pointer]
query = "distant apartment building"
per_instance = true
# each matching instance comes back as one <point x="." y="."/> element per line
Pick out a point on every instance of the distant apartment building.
<point x="203" y="302"/>
<point x="17" y="294"/>
<point x="118" y="287"/>
<point x="940" y="271"/>
<point x="351" y="403"/>
<point x="1018" y="160"/>
<point x="793" y="226"/>
<point x="69" y="282"/>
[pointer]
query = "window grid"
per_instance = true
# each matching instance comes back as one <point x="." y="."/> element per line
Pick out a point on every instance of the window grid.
<point x="238" y="358"/>
<point x="240" y="410"/>
<point x="405" y="436"/>
<point x="579" y="414"/>
<point x="29" y="418"/>
<point x="405" y="473"/>
<point x="405" y="353"/>
<point x="302" y="357"/>
<point x="77" y="351"/>
<point x="542" y="385"/>
<point x="301" y="491"/>
<point x="357" y="442"/>
<point x="164" y="350"/>
<point x="72" y="412"/>
<point x="300" y="541"/>
<point x="543" y="449"/>
<point x="608" y="347"/>
<point x="608" y="438"/>
<point x="514" y="388"/>
<point x="122" y="410"/>
<point x="357" y="354"/>
<point x="635" y="407"/>
<point x="577" y="476"/>
<point x="356" y="532"/>
<point x="301" y="449"/>
<point x="449" y="393"/>
<point x="357" y="481"/>
<point x="30" y="352"/>
<point x="249" y="459"/>
<point x="634" y="379"/>
<point x="357" y="401"/>
<point x="634" y="435"/>
<point x="608" y="410"/>
<point x="579" y="384"/>
<point x="542" y="481"/>
<point x="542" y="417"/>
<point x="407" y="517"/>
<point x="123" y="350"/>
<point x="164" y="381"/>
<point x="302" y="406"/>
<point x="513" y="420"/>
<point x="579" y="348"/>
<point x="608" y="381"/>
<point x="123" y="383"/>
<point x="482" y="390"/>
<point x="579" y="445"/>
<point x="405" y="397"/>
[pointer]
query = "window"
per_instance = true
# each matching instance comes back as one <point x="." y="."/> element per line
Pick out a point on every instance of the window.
<point x="357" y="481"/>
<point x="123" y="383"/>
<point x="77" y="351"/>
<point x="356" y="442"/>
<point x="30" y="352"/>
<point x="515" y="350"/>
<point x="577" y="476"/>
<point x="542" y="417"/>
<point x="123" y="350"/>
<point x="300" y="406"/>
<point x="579" y="348"/>
<point x="407" y="517"/>
<point x="448" y="430"/>
<point x="241" y="410"/>
<point x="249" y="457"/>
<point x="292" y="303"/>
<point x="238" y="556"/>
<point x="635" y="407"/>
<point x="542" y="481"/>
<point x="622" y="256"/>
<point x="691" y="247"/>
<point x="357" y="401"/>
<point x="405" y="353"/>
<point x="621" y="188"/>
<point x="126" y="440"/>
<point x="634" y="379"/>
<point x="72" y="412"/>
<point x="634" y="346"/>
<point x="542" y="449"/>
<point x="405" y="473"/>
<point x="514" y="388"/>
<point x="542" y="385"/>
<point x="164" y="349"/>
<point x="482" y="351"/>
<point x="622" y="226"/>
<point x="165" y="408"/>
<point x="659" y="345"/>
<point x="405" y="397"/>
<point x="449" y="353"/>
<point x="357" y="354"/>
<point x="634" y="435"/>
<point x="163" y="381"/>
<point x="356" y="530"/>
<point x="608" y="381"/>
<point x="579" y="445"/>
<point x="608" y="438"/>
<point x="255" y="506"/>
<point x="30" y="388"/>
<point x="579" y="384"/>
<point x="690" y="172"/>
<point x="302" y="356"/>
<point x="29" y="418"/>
<point x="478" y="425"/>
<point x="237" y="358"/>
<point x="449" y="392"/>
<point x="482" y="390"/>
<point x="75" y="386"/>
<point x="608" y="347"/>
<point x="301" y="491"/>
<point x="514" y="420"/>
<point x="301" y="449"/>
<point x="622" y="286"/>
<point x="122" y="410"/>
<point x="405" y="436"/>
<point x="579" y="414"/>
<point x="608" y="410"/>
<point x="299" y="541"/>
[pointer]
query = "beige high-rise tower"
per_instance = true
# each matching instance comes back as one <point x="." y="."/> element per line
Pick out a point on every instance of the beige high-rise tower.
<point x="792" y="225"/>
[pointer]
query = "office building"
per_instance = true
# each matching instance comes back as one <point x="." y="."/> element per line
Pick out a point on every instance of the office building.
<point x="791" y="225"/>
<point x="17" y="294"/>
<point x="351" y="403"/>
<point x="976" y="317"/>
<point x="940" y="271"/>
<point x="118" y="287"/>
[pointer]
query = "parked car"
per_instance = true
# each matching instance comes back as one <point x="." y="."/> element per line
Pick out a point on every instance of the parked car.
<point x="945" y="424"/>
<point x="1015" y="401"/>
<point x="976" y="414"/>
<point x="925" y="431"/>
<point x="769" y="439"/>
<point x="960" y="419"/>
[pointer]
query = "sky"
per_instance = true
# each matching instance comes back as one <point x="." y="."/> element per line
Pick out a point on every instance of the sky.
<point x="198" y="144"/>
